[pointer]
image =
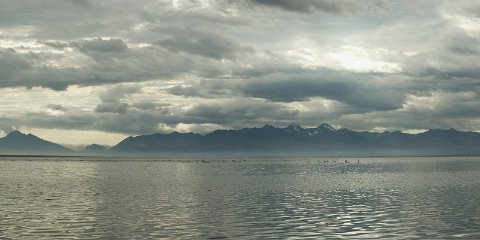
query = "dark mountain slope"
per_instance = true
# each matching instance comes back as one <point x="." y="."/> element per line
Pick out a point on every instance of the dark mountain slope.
<point x="19" y="143"/>
<point x="323" y="139"/>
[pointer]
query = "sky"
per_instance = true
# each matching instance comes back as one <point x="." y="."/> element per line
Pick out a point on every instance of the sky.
<point x="79" y="71"/>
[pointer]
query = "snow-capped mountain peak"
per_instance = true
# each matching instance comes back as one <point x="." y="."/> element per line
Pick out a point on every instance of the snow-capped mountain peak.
<point x="294" y="128"/>
<point x="325" y="126"/>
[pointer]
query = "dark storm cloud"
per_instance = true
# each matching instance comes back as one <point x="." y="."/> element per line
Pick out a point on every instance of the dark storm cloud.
<point x="464" y="45"/>
<point x="206" y="44"/>
<point x="112" y="107"/>
<point x="16" y="71"/>
<point x="457" y="111"/>
<point x="10" y="64"/>
<point x="55" y="44"/>
<point x="369" y="97"/>
<point x="207" y="88"/>
<point x="448" y="104"/>
<point x="113" y="60"/>
<point x="451" y="67"/>
<point x="259" y="61"/>
<point x="24" y="12"/>
<point x="180" y="52"/>
<point x="119" y="92"/>
<point x="364" y="91"/>
<point x="338" y="7"/>
<point x="132" y="65"/>
<point x="112" y="99"/>
<point x="235" y="111"/>
<point x="103" y="45"/>
<point x="57" y="107"/>
<point x="53" y="19"/>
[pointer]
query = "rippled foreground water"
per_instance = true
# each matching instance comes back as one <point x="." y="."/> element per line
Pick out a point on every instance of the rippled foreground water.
<point x="398" y="198"/>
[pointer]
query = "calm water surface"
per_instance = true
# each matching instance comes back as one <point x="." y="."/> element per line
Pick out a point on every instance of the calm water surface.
<point x="397" y="198"/>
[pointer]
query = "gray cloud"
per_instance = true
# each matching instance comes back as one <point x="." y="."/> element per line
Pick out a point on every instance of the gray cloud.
<point x="10" y="63"/>
<point x="57" y="107"/>
<point x="231" y="64"/>
<point x="113" y="99"/>
<point x="112" y="107"/>
<point x="206" y="44"/>
<point x="109" y="117"/>
<point x="450" y="67"/>
<point x="150" y="106"/>
<point x="109" y="67"/>
<point x="118" y="92"/>
<point x="55" y="44"/>
<point x="206" y="88"/>
<point x="235" y="111"/>
<point x="307" y="6"/>
<point x="365" y="91"/>
<point x="463" y="45"/>
<point x="103" y="45"/>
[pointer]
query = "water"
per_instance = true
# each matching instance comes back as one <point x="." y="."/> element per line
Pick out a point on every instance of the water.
<point x="397" y="198"/>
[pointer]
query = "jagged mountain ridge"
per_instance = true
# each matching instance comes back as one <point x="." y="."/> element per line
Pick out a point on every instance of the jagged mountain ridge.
<point x="323" y="139"/>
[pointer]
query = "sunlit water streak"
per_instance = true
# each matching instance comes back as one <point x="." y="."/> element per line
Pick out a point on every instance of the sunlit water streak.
<point x="398" y="198"/>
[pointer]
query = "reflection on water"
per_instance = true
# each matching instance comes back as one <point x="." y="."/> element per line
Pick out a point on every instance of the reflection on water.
<point x="399" y="198"/>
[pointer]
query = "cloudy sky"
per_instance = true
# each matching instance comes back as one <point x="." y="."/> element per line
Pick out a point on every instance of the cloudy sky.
<point x="80" y="71"/>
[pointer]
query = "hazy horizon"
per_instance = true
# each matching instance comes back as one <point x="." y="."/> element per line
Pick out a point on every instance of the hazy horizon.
<point x="268" y="140"/>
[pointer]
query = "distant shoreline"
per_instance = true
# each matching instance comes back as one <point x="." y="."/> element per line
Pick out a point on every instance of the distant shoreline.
<point x="214" y="156"/>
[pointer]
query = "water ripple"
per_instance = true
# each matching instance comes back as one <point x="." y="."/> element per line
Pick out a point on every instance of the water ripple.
<point x="260" y="199"/>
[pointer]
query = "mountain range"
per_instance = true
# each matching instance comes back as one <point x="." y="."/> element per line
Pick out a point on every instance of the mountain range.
<point x="323" y="140"/>
<point x="17" y="143"/>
